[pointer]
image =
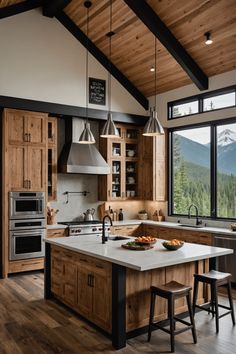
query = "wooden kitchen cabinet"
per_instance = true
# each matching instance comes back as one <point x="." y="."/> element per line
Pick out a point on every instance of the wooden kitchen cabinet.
<point x="52" y="159"/>
<point x="122" y="155"/>
<point x="152" y="172"/>
<point x="84" y="283"/>
<point x="51" y="233"/>
<point x="127" y="230"/>
<point x="26" y="166"/>
<point x="64" y="274"/>
<point x="25" y="127"/>
<point x="25" y="150"/>
<point x="167" y="233"/>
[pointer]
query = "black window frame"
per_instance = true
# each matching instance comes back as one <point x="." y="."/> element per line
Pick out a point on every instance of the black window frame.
<point x="213" y="166"/>
<point x="200" y="99"/>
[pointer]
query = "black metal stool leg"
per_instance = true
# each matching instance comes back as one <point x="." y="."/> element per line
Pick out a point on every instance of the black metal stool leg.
<point x="195" y="292"/>
<point x="215" y="297"/>
<point x="191" y="319"/>
<point x="231" y="301"/>
<point x="152" y="308"/>
<point x="172" y="324"/>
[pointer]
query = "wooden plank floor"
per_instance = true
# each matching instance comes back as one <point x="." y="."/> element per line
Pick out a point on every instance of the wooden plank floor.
<point x="29" y="324"/>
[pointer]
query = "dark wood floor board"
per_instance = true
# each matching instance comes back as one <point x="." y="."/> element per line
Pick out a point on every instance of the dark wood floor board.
<point x="31" y="325"/>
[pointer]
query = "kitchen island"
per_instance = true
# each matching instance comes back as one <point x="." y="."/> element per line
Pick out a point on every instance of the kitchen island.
<point x="110" y="286"/>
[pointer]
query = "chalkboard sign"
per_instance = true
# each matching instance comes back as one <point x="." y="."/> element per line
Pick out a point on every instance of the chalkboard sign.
<point x="97" y="91"/>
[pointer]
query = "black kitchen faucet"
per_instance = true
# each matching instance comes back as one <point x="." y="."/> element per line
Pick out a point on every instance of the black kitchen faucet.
<point x="103" y="227"/>
<point x="198" y="222"/>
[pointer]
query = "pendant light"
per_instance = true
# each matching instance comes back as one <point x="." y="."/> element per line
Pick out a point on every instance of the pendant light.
<point x="153" y="127"/>
<point x="86" y="136"/>
<point x="109" y="130"/>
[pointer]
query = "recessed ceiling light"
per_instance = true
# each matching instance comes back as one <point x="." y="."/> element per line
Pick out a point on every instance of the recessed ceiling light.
<point x="152" y="68"/>
<point x="208" y="39"/>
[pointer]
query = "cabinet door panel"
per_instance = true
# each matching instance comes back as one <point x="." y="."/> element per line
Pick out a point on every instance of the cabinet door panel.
<point x="70" y="283"/>
<point x="17" y="168"/>
<point x="36" y="128"/>
<point x="37" y="168"/>
<point x="84" y="292"/>
<point x="102" y="301"/>
<point x="16" y="127"/>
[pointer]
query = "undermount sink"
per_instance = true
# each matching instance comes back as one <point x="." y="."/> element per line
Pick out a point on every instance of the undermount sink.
<point x="194" y="226"/>
<point x="118" y="238"/>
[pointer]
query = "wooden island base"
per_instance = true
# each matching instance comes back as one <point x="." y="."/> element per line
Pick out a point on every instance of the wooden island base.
<point x="113" y="297"/>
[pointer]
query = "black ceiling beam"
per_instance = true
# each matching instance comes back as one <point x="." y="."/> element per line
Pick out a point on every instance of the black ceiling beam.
<point x="52" y="7"/>
<point x="103" y="60"/>
<point x="61" y="110"/>
<point x="20" y="7"/>
<point x="164" y="35"/>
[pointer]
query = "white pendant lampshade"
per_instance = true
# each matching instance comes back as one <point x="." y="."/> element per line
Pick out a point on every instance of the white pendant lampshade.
<point x="86" y="136"/>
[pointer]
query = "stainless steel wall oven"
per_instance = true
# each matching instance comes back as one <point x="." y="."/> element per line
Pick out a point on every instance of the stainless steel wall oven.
<point x="27" y="225"/>
<point x="23" y="205"/>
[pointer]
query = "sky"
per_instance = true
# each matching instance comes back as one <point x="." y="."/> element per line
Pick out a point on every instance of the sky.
<point x="202" y="135"/>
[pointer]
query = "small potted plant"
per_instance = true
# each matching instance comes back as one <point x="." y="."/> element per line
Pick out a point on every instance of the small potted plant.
<point x="142" y="214"/>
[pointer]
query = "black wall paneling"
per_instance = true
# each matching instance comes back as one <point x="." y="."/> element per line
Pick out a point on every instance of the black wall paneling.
<point x="66" y="110"/>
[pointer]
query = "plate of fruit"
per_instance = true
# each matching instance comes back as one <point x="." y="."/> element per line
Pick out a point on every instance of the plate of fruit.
<point x="145" y="240"/>
<point x="173" y="245"/>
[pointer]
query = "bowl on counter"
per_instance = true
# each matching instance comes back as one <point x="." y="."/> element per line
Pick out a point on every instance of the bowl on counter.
<point x="173" y="245"/>
<point x="233" y="227"/>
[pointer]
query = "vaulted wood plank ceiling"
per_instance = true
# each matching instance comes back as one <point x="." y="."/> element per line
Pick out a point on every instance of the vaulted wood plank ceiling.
<point x="133" y="43"/>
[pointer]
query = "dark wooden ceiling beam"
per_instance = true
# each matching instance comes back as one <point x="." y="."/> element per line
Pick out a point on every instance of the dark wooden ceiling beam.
<point x="52" y="7"/>
<point x="103" y="60"/>
<point x="164" y="35"/>
<point x="20" y="7"/>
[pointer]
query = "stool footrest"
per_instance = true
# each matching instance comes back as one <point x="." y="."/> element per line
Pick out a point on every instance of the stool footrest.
<point x="182" y="321"/>
<point x="224" y="314"/>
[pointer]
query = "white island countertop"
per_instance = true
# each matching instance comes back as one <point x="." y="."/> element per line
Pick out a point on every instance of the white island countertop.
<point x="157" y="257"/>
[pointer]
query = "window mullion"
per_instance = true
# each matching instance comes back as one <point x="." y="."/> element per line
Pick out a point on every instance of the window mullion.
<point x="213" y="172"/>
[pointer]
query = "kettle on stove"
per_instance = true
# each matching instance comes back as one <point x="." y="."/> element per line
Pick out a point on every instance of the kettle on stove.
<point x="88" y="215"/>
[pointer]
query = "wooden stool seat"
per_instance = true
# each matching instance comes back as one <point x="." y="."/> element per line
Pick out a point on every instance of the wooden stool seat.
<point x="172" y="287"/>
<point x="171" y="291"/>
<point x="215" y="279"/>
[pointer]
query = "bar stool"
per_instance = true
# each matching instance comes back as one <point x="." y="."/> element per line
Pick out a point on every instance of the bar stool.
<point x="171" y="291"/>
<point x="215" y="279"/>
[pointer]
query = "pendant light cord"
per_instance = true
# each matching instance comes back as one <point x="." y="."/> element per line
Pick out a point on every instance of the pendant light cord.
<point x="109" y="74"/>
<point x="155" y="74"/>
<point x="87" y="30"/>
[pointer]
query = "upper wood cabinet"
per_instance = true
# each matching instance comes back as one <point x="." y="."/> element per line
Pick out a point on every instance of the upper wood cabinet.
<point x="25" y="150"/>
<point x="52" y="159"/>
<point x="152" y="172"/>
<point x="25" y="127"/>
<point x="122" y="155"/>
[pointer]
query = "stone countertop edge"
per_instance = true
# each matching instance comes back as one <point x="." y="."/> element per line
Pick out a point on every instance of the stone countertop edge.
<point x="213" y="230"/>
<point x="157" y="257"/>
<point x="207" y="229"/>
<point x="56" y="227"/>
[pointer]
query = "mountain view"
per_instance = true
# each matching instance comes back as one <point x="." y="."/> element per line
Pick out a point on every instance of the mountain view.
<point x="191" y="162"/>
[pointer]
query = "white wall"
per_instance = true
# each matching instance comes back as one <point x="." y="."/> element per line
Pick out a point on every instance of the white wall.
<point x="215" y="82"/>
<point x="41" y="60"/>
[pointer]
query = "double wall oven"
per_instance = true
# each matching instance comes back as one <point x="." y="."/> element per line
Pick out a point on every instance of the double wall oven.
<point x="27" y="225"/>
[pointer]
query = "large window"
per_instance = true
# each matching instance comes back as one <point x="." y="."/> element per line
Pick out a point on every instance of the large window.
<point x="203" y="170"/>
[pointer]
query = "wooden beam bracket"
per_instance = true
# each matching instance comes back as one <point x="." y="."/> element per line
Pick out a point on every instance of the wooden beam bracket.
<point x="52" y="7"/>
